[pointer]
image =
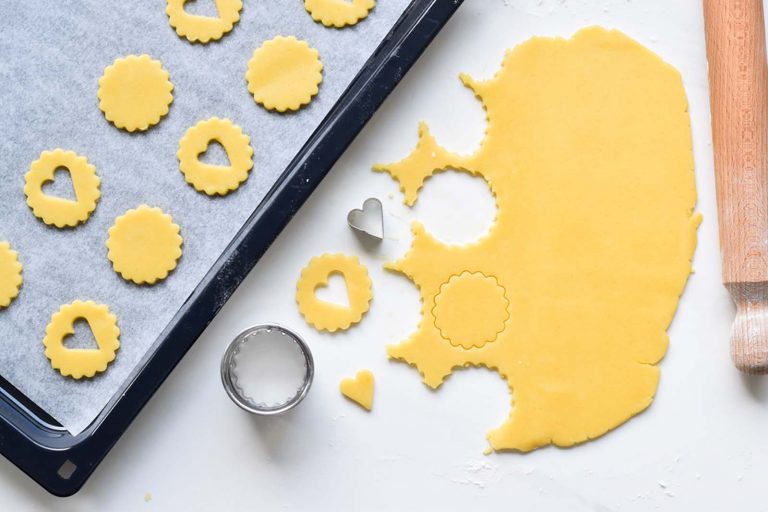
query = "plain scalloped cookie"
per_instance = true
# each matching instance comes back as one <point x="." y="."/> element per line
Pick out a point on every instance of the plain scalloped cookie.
<point x="144" y="245"/>
<point x="284" y="74"/>
<point x="135" y="92"/>
<point x="339" y="13"/>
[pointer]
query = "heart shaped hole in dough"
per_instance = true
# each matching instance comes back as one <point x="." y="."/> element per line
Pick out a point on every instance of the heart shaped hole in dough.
<point x="215" y="154"/>
<point x="205" y="8"/>
<point x="60" y="185"/>
<point x="82" y="338"/>
<point x="334" y="291"/>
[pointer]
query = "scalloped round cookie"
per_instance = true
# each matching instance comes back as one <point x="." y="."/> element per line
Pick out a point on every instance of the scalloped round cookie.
<point x="202" y="29"/>
<point x="215" y="179"/>
<point x="10" y="275"/>
<point x="339" y="13"/>
<point x="82" y="362"/>
<point x="135" y="92"/>
<point x="57" y="211"/>
<point x="284" y="74"/>
<point x="144" y="245"/>
<point x="326" y="316"/>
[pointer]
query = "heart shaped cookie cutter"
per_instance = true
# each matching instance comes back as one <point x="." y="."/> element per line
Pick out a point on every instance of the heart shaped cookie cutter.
<point x="370" y="220"/>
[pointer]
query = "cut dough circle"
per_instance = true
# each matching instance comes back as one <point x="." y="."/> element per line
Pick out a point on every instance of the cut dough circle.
<point x="78" y="362"/>
<point x="215" y="179"/>
<point x="470" y="295"/>
<point x="144" y="245"/>
<point x="203" y="28"/>
<point x="324" y="315"/>
<point x="10" y="275"/>
<point x="135" y="92"/>
<point x="284" y="74"/>
<point x="588" y="153"/>
<point x="339" y="13"/>
<point x="57" y="211"/>
<point x="359" y="389"/>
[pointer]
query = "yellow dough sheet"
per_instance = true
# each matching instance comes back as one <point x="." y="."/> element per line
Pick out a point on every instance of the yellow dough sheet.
<point x="588" y="155"/>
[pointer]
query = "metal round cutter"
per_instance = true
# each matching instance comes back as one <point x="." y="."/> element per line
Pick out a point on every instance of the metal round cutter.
<point x="234" y="377"/>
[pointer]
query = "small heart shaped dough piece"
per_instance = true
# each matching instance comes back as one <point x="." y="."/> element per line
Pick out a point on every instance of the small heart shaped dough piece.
<point x="359" y="389"/>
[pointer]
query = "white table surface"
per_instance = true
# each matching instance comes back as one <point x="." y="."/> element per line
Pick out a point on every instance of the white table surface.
<point x="698" y="447"/>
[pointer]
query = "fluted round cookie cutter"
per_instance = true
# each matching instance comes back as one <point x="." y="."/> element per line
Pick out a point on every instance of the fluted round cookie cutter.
<point x="229" y="379"/>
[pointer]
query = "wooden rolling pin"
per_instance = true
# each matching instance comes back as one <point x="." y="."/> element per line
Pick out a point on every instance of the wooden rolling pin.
<point x="738" y="85"/>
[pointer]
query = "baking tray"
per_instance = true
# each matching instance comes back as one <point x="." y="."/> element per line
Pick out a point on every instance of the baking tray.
<point x="61" y="462"/>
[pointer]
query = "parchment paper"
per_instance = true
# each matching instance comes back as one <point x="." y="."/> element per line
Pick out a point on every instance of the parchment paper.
<point x="51" y="57"/>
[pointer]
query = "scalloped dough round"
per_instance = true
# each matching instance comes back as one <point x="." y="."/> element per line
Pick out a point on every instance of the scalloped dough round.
<point x="215" y="179"/>
<point x="339" y="13"/>
<point x="144" y="245"/>
<point x="326" y="316"/>
<point x="135" y="92"/>
<point x="57" y="211"/>
<point x="10" y="275"/>
<point x="203" y="28"/>
<point x="284" y="74"/>
<point x="82" y="362"/>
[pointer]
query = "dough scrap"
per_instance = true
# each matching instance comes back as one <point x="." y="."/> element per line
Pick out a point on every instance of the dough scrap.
<point x="82" y="362"/>
<point x="284" y="74"/>
<point x="588" y="153"/>
<point x="203" y="28"/>
<point x="339" y="13"/>
<point x="57" y="211"/>
<point x="10" y="275"/>
<point x="359" y="389"/>
<point x="144" y="245"/>
<point x="215" y="179"/>
<point x="135" y="92"/>
<point x="325" y="315"/>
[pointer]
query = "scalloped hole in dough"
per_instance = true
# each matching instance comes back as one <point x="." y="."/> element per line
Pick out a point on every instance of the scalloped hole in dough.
<point x="60" y="186"/>
<point x="456" y="207"/>
<point x="82" y="337"/>
<point x="335" y="292"/>
<point x="205" y="8"/>
<point x="214" y="154"/>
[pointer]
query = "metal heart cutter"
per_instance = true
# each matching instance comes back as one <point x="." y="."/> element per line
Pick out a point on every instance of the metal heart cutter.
<point x="370" y="220"/>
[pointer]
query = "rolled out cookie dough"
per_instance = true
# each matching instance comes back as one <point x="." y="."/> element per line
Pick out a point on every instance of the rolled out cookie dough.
<point x="339" y="13"/>
<point x="144" y="245"/>
<point x="135" y="92"/>
<point x="588" y="153"/>
<point x="284" y="74"/>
